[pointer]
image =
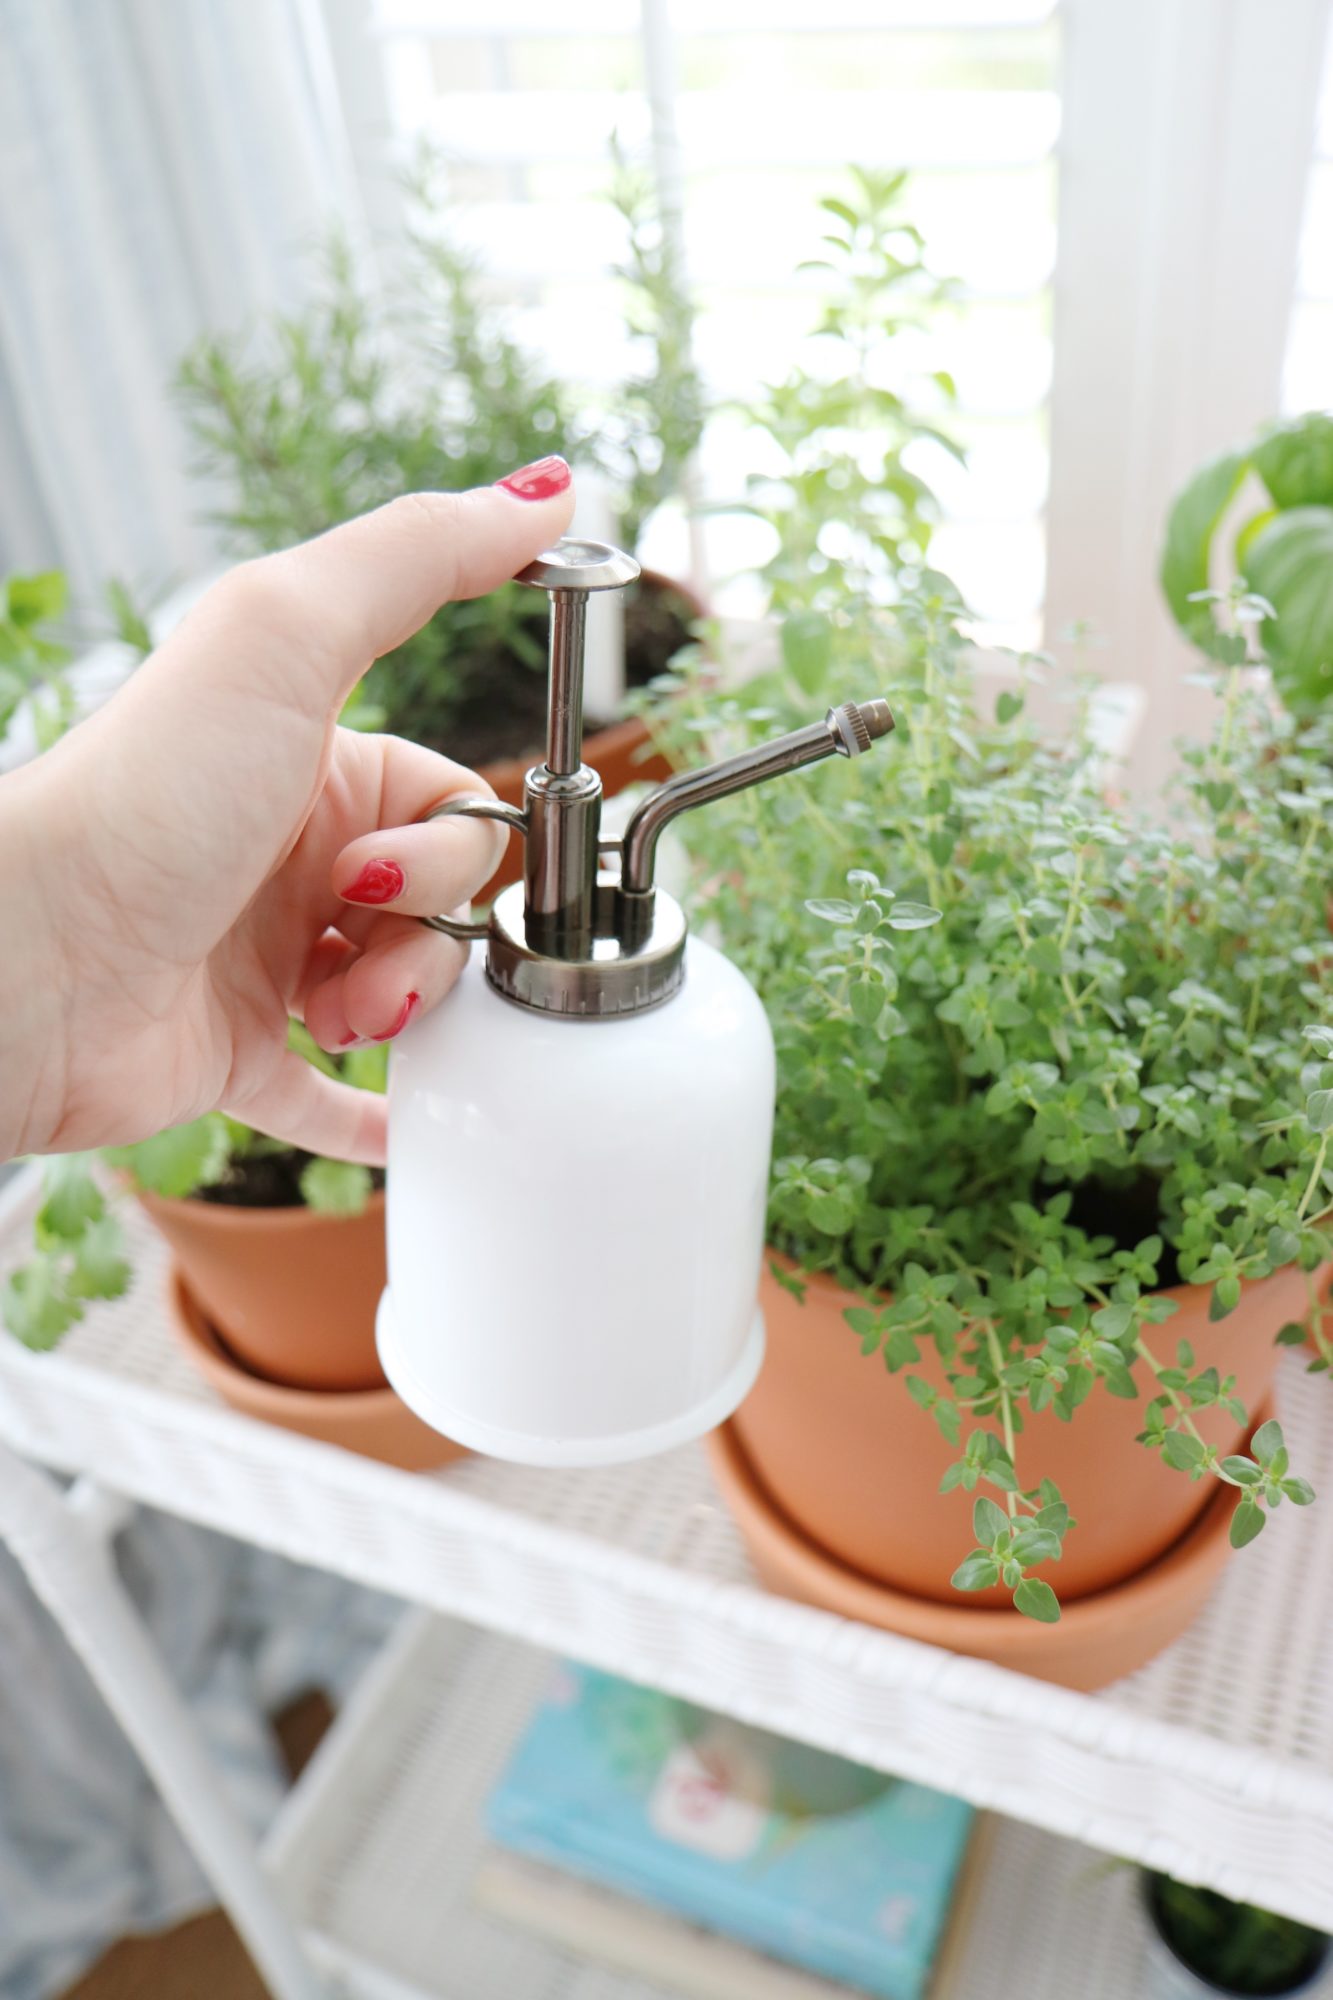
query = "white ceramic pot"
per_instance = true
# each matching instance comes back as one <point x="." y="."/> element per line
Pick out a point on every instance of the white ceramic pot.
<point x="576" y="1218"/>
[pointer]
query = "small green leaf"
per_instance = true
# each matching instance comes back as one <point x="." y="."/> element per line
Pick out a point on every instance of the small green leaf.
<point x="1182" y="1451"/>
<point x="1034" y="1545"/>
<point x="979" y="1572"/>
<point x="1298" y="1491"/>
<point x="831" y="909"/>
<point x="71" y="1197"/>
<point x="866" y="998"/>
<point x="36" y="1307"/>
<point x="1242" y="1470"/>
<point x="100" y="1268"/>
<point x="1225" y="1297"/>
<point x="1290" y="562"/>
<point x="1007" y="706"/>
<point x="831" y="1211"/>
<point x="1292" y="1335"/>
<point x="1190" y="528"/>
<point x="1319" y="1110"/>
<point x="1267" y="1441"/>
<point x="1036" y="1599"/>
<point x="807" y="643"/>
<point x="989" y="1523"/>
<point x="912" y="916"/>
<point x="35" y="600"/>
<point x="177" y="1162"/>
<point x="1246" y="1522"/>
<point x="335" y="1187"/>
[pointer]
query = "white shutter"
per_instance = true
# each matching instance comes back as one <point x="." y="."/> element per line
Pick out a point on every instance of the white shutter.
<point x="1307" y="379"/>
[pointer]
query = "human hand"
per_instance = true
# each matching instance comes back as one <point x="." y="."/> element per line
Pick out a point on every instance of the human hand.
<point x="210" y="854"/>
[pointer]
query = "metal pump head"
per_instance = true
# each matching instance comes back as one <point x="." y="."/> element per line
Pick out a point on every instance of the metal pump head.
<point x="586" y="932"/>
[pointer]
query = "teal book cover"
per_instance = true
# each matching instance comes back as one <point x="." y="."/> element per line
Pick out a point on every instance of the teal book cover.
<point x="814" y="1860"/>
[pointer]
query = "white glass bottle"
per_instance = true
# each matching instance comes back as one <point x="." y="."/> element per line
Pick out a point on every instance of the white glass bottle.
<point x="579" y="1136"/>
<point x="576" y="1217"/>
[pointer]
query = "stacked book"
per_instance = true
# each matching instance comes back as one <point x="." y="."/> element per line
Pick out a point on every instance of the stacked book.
<point x="762" y="1846"/>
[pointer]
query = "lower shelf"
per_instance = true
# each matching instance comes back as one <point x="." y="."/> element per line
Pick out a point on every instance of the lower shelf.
<point x="1214" y="1762"/>
<point x="378" y="1849"/>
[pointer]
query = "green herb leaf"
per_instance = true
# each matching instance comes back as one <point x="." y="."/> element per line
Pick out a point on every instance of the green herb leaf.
<point x="979" y="1572"/>
<point x="177" y="1162"/>
<point x="335" y="1187"/>
<point x="1036" y="1599"/>
<point x="1182" y="1451"/>
<point x="1267" y="1441"/>
<point x="1319" y="1110"/>
<point x="990" y="1523"/>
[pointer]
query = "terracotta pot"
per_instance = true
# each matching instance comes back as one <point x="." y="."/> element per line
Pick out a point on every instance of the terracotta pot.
<point x="822" y="1422"/>
<point x="1099" y="1639"/>
<point x="291" y="1291"/>
<point x="371" y="1421"/>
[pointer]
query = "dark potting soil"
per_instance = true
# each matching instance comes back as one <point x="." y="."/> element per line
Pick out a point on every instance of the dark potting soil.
<point x="265" y="1180"/>
<point x="1127" y="1215"/>
<point x="503" y="712"/>
<point x="657" y="624"/>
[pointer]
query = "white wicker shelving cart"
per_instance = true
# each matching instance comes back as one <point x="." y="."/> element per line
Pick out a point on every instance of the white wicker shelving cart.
<point x="1216" y="1762"/>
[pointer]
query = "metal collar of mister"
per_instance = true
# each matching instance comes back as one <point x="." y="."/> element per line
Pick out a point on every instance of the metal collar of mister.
<point x="586" y="933"/>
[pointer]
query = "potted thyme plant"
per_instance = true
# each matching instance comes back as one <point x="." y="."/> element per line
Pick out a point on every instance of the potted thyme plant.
<point x="1051" y="1163"/>
<point x="1201" y="1943"/>
<point x="1052" y="1160"/>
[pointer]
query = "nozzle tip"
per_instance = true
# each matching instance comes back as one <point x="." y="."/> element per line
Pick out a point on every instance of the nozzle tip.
<point x="877" y="717"/>
<point x="857" y="723"/>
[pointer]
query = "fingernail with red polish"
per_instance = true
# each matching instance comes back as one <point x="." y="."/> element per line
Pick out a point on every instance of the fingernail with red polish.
<point x="539" y="481"/>
<point x="378" y="882"/>
<point x="347" y="1040"/>
<point x="408" y="1010"/>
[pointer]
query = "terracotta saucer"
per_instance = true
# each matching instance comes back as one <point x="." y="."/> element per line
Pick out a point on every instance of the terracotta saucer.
<point x="1097" y="1640"/>
<point x="374" y="1422"/>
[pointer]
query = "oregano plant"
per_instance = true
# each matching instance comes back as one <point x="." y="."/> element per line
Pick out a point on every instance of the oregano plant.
<point x="1041" y="1056"/>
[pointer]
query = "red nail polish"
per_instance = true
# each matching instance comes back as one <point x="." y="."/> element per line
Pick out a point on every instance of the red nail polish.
<point x="347" y="1040"/>
<point x="539" y="481"/>
<point x="409" y="1008"/>
<point x="378" y="882"/>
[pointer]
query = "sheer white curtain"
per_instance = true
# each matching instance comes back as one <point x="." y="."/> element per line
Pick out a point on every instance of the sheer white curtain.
<point x="164" y="166"/>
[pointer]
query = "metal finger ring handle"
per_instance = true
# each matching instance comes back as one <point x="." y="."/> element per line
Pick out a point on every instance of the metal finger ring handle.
<point x="509" y="816"/>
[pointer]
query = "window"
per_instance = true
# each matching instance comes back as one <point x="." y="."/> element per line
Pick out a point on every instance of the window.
<point x="769" y="105"/>
<point x="1098" y="362"/>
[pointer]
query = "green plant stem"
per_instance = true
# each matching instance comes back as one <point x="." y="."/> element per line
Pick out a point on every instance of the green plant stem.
<point x="1006" y="1413"/>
